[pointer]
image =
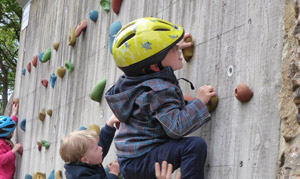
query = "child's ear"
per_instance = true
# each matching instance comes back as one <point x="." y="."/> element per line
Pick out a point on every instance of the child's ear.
<point x="154" y="67"/>
<point x="84" y="160"/>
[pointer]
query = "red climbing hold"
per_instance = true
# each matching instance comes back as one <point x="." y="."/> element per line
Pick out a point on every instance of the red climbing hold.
<point x="34" y="60"/>
<point x="80" y="27"/>
<point x="44" y="82"/>
<point x="39" y="145"/>
<point x="116" y="5"/>
<point x="29" y="67"/>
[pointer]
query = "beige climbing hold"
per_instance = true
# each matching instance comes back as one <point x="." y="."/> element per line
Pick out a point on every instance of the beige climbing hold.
<point x="49" y="112"/>
<point x="72" y="38"/>
<point x="56" y="45"/>
<point x="94" y="127"/>
<point x="39" y="175"/>
<point x="60" y="71"/>
<point x="58" y="174"/>
<point x="42" y="114"/>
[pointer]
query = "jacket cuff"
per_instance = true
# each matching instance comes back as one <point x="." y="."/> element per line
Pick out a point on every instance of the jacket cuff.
<point x="14" y="118"/>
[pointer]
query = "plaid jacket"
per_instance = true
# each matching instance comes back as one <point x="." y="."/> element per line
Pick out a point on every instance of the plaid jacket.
<point x="152" y="111"/>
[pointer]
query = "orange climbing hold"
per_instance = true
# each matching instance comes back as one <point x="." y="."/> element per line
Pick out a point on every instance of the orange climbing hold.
<point x="116" y="5"/>
<point x="80" y="27"/>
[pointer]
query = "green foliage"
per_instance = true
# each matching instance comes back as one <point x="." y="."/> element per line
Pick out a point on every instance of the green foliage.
<point x="10" y="18"/>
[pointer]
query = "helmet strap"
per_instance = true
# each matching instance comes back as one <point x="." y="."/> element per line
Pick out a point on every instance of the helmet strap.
<point x="160" y="66"/>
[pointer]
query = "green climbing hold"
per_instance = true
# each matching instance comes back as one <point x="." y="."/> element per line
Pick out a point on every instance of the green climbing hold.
<point x="69" y="66"/>
<point x="46" y="55"/>
<point x="105" y="4"/>
<point x="98" y="90"/>
<point x="45" y="144"/>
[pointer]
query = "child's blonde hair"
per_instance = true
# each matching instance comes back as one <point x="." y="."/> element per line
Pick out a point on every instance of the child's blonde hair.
<point x="75" y="145"/>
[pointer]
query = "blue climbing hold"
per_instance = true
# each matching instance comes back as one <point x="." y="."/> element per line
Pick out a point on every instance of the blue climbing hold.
<point x="113" y="30"/>
<point x="94" y="15"/>
<point x="40" y="56"/>
<point x="51" y="175"/>
<point x="52" y="80"/>
<point x="23" y="124"/>
<point x="23" y="71"/>
<point x="82" y="128"/>
<point x="27" y="176"/>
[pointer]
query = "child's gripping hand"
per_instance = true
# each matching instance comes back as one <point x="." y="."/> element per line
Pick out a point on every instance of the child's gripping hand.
<point x="114" y="168"/>
<point x="15" y="107"/>
<point x="182" y="44"/>
<point x="17" y="148"/>
<point x="113" y="120"/>
<point x="204" y="93"/>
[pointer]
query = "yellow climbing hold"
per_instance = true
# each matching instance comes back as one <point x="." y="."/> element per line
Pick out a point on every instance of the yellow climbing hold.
<point x="94" y="127"/>
<point x="42" y="114"/>
<point x="39" y="175"/>
<point x="188" y="52"/>
<point x="56" y="45"/>
<point x="72" y="38"/>
<point x="58" y="174"/>
<point x="49" y="112"/>
<point x="60" y="71"/>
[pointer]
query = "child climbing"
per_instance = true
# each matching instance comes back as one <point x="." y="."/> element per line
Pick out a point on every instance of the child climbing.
<point x="149" y="102"/>
<point x="7" y="147"/>
<point x="83" y="152"/>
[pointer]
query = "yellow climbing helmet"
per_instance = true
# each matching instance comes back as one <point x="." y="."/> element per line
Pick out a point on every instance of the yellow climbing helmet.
<point x="144" y="42"/>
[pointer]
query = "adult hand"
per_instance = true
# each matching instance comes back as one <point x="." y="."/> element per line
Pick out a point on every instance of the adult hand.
<point x="165" y="172"/>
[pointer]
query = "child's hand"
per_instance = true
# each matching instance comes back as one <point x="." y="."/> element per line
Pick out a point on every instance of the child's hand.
<point x="113" y="168"/>
<point x="204" y="93"/>
<point x="182" y="44"/>
<point x="15" y="109"/>
<point x="17" y="148"/>
<point x="165" y="172"/>
<point x="113" y="120"/>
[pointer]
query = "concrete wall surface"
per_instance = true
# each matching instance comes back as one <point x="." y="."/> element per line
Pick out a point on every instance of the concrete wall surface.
<point x="235" y="41"/>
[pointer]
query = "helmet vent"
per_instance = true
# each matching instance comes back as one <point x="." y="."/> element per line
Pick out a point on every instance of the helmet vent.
<point x="164" y="22"/>
<point x="126" y="39"/>
<point x="162" y="30"/>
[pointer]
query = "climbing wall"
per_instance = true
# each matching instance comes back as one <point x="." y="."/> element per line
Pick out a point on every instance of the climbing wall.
<point x="235" y="41"/>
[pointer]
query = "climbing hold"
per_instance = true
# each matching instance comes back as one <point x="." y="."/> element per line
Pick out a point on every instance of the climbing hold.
<point x="82" y="128"/>
<point x="242" y="92"/>
<point x="116" y="5"/>
<point x="39" y="145"/>
<point x="44" y="82"/>
<point x="189" y="51"/>
<point x="72" y="38"/>
<point x="94" y="127"/>
<point x="27" y="176"/>
<point x="80" y="27"/>
<point x="58" y="174"/>
<point x="23" y="71"/>
<point x="39" y="175"/>
<point x="29" y="67"/>
<point x="42" y="114"/>
<point x="49" y="112"/>
<point x="105" y="4"/>
<point x="51" y="175"/>
<point x="98" y="90"/>
<point x="212" y="103"/>
<point x="46" y="56"/>
<point x="23" y="124"/>
<point x="69" y="66"/>
<point x="113" y="30"/>
<point x="94" y="15"/>
<point x="45" y="144"/>
<point x="187" y="98"/>
<point x="52" y="80"/>
<point x="56" y="45"/>
<point x="40" y="56"/>
<point x="60" y="71"/>
<point x="34" y="60"/>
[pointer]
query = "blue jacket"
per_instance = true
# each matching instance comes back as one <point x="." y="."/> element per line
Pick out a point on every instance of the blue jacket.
<point x="86" y="171"/>
<point x="152" y="111"/>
